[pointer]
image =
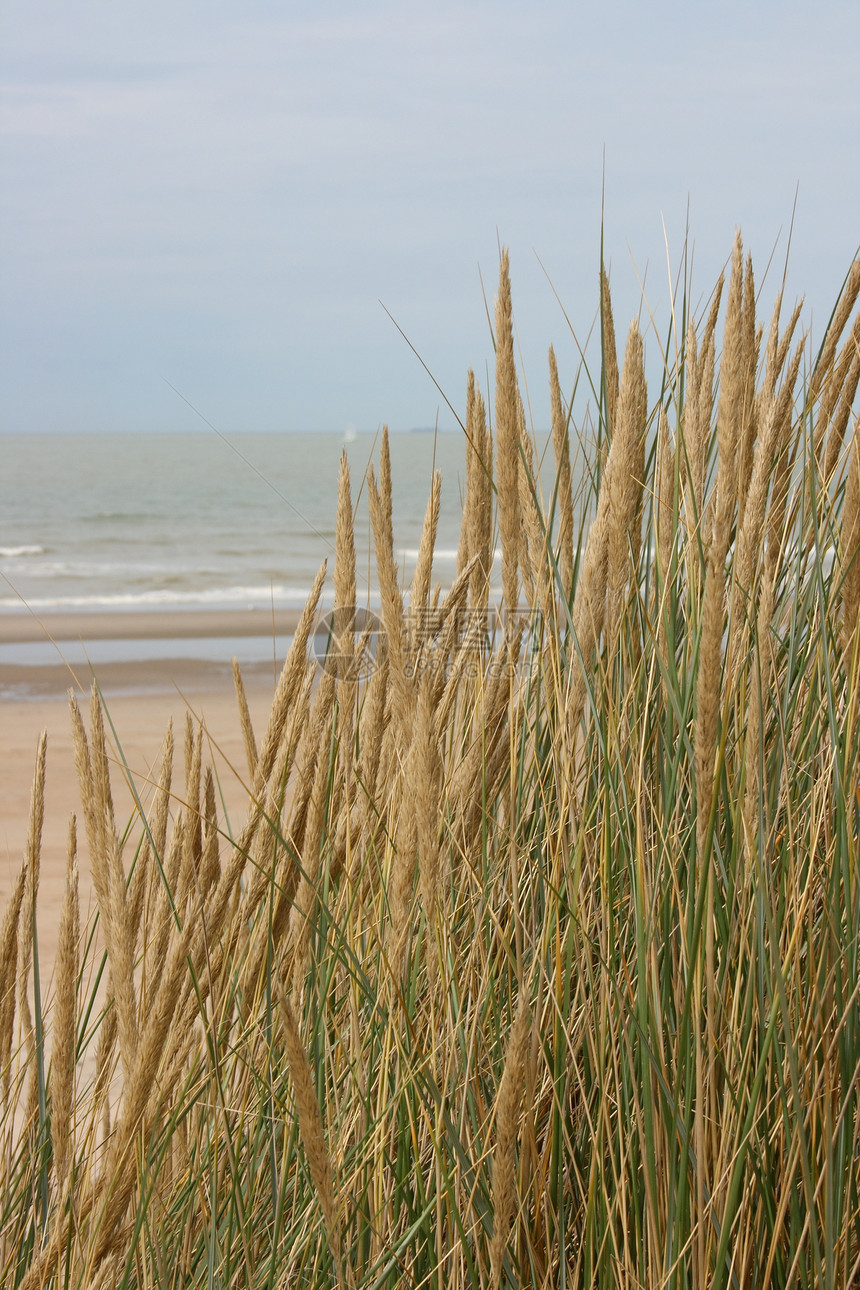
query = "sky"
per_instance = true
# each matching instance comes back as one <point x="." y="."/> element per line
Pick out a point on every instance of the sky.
<point x="271" y="210"/>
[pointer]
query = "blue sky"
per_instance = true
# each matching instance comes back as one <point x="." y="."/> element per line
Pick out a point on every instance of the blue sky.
<point x="219" y="195"/>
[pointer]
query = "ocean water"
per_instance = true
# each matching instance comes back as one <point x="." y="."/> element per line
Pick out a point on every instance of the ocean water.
<point x="189" y="521"/>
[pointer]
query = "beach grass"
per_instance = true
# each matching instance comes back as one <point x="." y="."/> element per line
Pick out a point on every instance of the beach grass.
<point x="535" y="960"/>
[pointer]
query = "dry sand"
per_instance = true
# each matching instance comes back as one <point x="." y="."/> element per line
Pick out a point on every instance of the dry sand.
<point x="140" y="699"/>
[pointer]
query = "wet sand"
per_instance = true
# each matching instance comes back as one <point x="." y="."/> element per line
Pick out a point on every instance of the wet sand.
<point x="147" y="625"/>
<point x="154" y="671"/>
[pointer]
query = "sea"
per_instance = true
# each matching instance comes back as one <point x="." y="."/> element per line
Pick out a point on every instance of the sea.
<point x="192" y="521"/>
<point x="150" y="522"/>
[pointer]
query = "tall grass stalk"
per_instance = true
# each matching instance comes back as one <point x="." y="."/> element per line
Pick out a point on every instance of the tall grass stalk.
<point x="536" y="959"/>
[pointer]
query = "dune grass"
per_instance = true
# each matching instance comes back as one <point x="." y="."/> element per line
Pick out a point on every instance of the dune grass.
<point x="536" y="960"/>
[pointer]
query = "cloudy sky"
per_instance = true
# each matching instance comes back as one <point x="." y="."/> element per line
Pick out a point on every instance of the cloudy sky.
<point x="219" y="195"/>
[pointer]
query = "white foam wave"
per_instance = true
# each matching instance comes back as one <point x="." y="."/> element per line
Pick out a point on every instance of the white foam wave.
<point x="91" y="569"/>
<point x="164" y="598"/>
<point x="441" y="553"/>
<point x="14" y="552"/>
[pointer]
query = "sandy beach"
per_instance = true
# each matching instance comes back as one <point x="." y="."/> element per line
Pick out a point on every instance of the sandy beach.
<point x="140" y="697"/>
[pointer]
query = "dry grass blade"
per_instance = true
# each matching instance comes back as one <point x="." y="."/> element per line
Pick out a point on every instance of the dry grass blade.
<point x="424" y="789"/>
<point x="27" y="934"/>
<point x="345" y="628"/>
<point x="386" y="493"/>
<point x="8" y="974"/>
<point x="625" y="480"/>
<point x="844" y="386"/>
<point x="850" y="293"/>
<point x="850" y="551"/>
<point x="610" y="353"/>
<point x="144" y="879"/>
<point x="606" y="561"/>
<point x="730" y="408"/>
<point x="290" y="682"/>
<point x="508" y="1111"/>
<point x="561" y="449"/>
<point x="210" y="865"/>
<point x="701" y="397"/>
<point x="245" y="718"/>
<point x="477" y="525"/>
<point x="771" y="448"/>
<point x="310" y="1124"/>
<point x="473" y="450"/>
<point x="65" y="1017"/>
<point x="507" y="417"/>
<point x="392" y="602"/>
<point x="344" y="564"/>
<point x="301" y="922"/>
<point x="192" y="849"/>
<point x="665" y="521"/>
<point x="419" y="596"/>
<point x="110" y="883"/>
<point x="402" y="890"/>
<point x="315" y="736"/>
<point x="748" y="429"/>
